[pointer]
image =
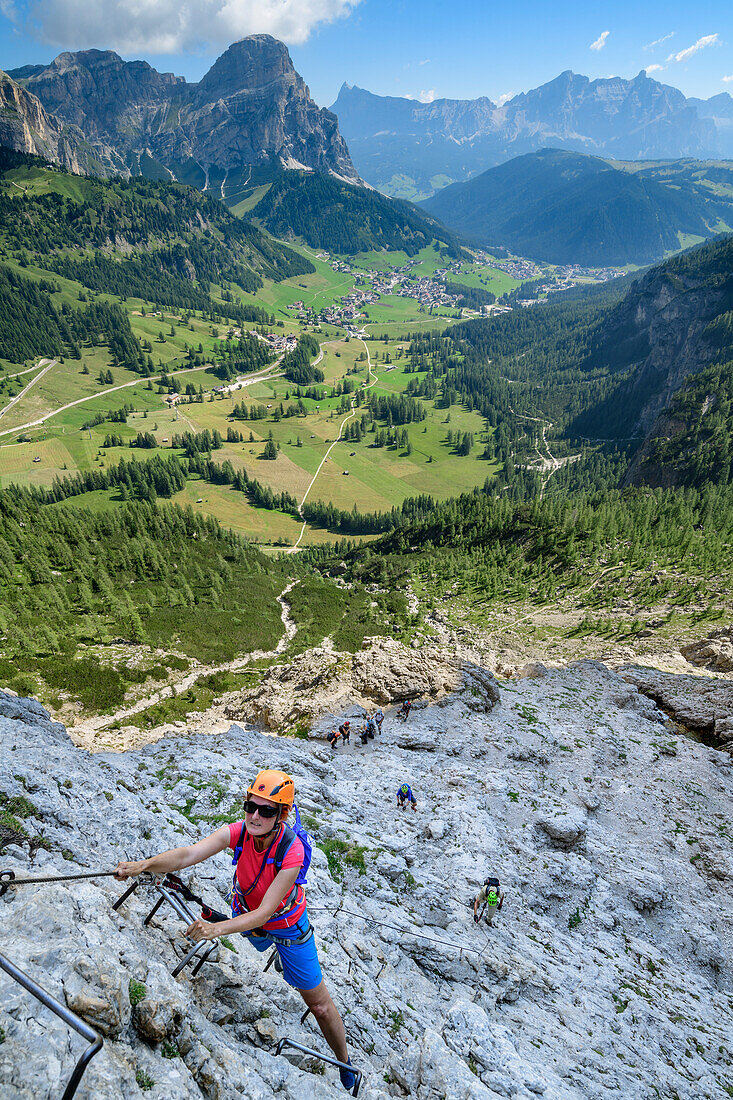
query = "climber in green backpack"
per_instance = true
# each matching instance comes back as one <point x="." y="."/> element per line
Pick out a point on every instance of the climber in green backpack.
<point x="491" y="898"/>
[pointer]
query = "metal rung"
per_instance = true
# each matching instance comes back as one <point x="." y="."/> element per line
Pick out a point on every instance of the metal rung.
<point x="123" y="897"/>
<point x="181" y="910"/>
<point x="66" y="1015"/>
<point x="153" y="911"/>
<point x="324" y="1058"/>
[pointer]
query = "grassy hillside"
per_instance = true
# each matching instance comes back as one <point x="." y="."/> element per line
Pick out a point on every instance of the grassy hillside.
<point x="95" y="603"/>
<point x="327" y="213"/>
<point x="563" y="572"/>
<point x="118" y="323"/>
<point x="568" y="208"/>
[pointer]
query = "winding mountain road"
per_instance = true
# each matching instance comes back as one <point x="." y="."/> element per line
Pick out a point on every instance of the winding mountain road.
<point x="48" y="364"/>
<point x="247" y="380"/>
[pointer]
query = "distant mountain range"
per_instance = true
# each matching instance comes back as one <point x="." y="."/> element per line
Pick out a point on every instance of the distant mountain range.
<point x="412" y="149"/>
<point x="565" y="207"/>
<point x="251" y="110"/>
<point x="250" y="121"/>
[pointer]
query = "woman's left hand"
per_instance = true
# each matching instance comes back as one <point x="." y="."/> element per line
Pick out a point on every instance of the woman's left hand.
<point x="201" y="930"/>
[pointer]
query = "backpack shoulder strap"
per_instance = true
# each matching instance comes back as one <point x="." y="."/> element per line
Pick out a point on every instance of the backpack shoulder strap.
<point x="265" y="860"/>
<point x="239" y="846"/>
<point x="283" y="845"/>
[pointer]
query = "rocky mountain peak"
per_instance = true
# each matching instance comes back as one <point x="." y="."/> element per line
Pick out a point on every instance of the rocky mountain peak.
<point x="254" y="62"/>
<point x="250" y="108"/>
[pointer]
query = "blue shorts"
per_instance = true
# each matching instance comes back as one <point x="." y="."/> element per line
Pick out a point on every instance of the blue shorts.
<point x="301" y="967"/>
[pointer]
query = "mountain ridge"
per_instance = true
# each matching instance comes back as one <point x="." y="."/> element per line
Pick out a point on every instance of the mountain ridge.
<point x="26" y="127"/>
<point x="628" y="119"/>
<point x="564" y="207"/>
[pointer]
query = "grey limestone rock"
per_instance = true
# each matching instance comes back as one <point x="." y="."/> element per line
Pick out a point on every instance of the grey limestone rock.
<point x="95" y="989"/>
<point x="698" y="702"/>
<point x="565" y="830"/>
<point x="615" y="926"/>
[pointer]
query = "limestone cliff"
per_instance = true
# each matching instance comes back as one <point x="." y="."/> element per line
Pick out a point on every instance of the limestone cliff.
<point x="27" y="127"/>
<point x="656" y="345"/>
<point x="251" y="109"/>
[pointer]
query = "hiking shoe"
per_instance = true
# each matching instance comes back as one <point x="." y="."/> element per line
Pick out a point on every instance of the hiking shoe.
<point x="348" y="1078"/>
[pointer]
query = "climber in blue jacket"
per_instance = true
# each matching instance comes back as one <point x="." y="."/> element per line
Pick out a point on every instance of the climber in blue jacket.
<point x="405" y="795"/>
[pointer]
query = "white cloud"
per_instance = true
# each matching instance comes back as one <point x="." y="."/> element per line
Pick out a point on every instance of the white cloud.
<point x="169" y="26"/>
<point x="728" y="79"/>
<point x="504" y="98"/>
<point x="425" y="62"/>
<point x="424" y="96"/>
<point x="706" y="40"/>
<point x="658" y="41"/>
<point x="600" y="42"/>
<point x="654" y="69"/>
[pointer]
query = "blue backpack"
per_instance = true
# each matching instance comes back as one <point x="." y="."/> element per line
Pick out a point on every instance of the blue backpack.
<point x="289" y="834"/>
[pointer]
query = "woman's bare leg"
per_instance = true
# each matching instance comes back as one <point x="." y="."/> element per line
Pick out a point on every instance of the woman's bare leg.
<point x="327" y="1016"/>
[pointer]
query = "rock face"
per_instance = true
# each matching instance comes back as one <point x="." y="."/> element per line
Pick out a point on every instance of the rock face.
<point x="657" y="341"/>
<point x="714" y="652"/>
<point x="616" y="923"/>
<point x="26" y="127"/>
<point x="321" y="682"/>
<point x="699" y="703"/>
<point x="251" y="109"/>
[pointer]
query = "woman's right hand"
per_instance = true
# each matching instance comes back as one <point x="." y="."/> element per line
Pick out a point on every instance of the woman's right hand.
<point x="131" y="868"/>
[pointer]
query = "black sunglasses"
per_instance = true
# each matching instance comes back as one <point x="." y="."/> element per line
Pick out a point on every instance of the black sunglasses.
<point x="264" y="811"/>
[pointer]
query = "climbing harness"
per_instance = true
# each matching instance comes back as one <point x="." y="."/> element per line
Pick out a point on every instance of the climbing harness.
<point x="65" y="1014"/>
<point x="7" y="878"/>
<point x="324" y="1058"/>
<point x="168" y="891"/>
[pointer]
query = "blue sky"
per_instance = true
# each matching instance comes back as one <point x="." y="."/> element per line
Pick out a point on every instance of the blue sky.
<point x="421" y="48"/>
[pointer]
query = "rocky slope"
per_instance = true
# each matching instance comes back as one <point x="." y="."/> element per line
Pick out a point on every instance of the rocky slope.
<point x="609" y="970"/>
<point x="394" y="141"/>
<point x="250" y="110"/>
<point x="27" y="128"/>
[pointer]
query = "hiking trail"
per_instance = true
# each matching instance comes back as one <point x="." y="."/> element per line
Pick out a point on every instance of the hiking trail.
<point x="294" y="549"/>
<point x="86" y="730"/>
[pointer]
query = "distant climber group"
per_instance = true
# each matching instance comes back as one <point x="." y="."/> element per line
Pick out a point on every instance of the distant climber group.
<point x="371" y="727"/>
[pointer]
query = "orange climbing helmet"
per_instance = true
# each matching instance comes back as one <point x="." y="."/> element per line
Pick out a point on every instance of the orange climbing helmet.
<point x="275" y="786"/>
